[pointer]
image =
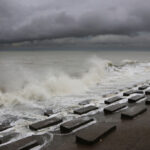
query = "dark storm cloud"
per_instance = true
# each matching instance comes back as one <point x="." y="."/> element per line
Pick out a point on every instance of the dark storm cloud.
<point x="23" y="20"/>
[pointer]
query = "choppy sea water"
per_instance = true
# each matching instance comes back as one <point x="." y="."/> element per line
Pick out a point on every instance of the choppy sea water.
<point x="33" y="81"/>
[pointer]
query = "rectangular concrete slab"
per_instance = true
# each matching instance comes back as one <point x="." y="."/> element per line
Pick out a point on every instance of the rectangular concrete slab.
<point x="85" y="102"/>
<point x="85" y="110"/>
<point x="143" y="87"/>
<point x="73" y="124"/>
<point x="29" y="145"/>
<point x="112" y="100"/>
<point x="138" y="92"/>
<point x="4" y="127"/>
<point x="24" y="144"/>
<point x="128" y="93"/>
<point x="48" y="113"/>
<point x="113" y="108"/>
<point x="45" y="123"/>
<point x="147" y="101"/>
<point x="132" y="112"/>
<point x="147" y="92"/>
<point x="135" y="98"/>
<point x="135" y="85"/>
<point x="7" y="137"/>
<point x="94" y="133"/>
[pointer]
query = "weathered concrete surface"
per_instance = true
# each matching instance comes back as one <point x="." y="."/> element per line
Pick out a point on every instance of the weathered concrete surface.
<point x="4" y="127"/>
<point x="7" y="137"/>
<point x="147" y="101"/>
<point x="73" y="124"/>
<point x="147" y="92"/>
<point x="143" y="87"/>
<point x="124" y="138"/>
<point x="135" y="98"/>
<point x="29" y="145"/>
<point x="85" y="102"/>
<point x="128" y="93"/>
<point x="130" y="134"/>
<point x="45" y="123"/>
<point x="48" y="112"/>
<point x="113" y="108"/>
<point x="94" y="133"/>
<point x="25" y="143"/>
<point x="85" y="110"/>
<point x="131" y="113"/>
<point x="112" y="100"/>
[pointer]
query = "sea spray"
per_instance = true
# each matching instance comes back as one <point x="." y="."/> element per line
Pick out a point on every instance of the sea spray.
<point x="41" y="87"/>
<point x="32" y="82"/>
<point x="97" y="72"/>
<point x="65" y="84"/>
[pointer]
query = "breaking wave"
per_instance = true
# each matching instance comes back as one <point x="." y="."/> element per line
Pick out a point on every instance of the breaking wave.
<point x="26" y="85"/>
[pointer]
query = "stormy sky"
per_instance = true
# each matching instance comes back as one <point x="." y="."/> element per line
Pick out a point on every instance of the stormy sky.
<point x="75" y="21"/>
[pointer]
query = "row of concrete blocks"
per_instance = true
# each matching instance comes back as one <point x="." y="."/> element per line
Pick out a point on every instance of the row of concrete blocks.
<point x="69" y="126"/>
<point x="87" y="135"/>
<point x="90" y="135"/>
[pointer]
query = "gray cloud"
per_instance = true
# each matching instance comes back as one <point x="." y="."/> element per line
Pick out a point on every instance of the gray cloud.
<point x="23" y="20"/>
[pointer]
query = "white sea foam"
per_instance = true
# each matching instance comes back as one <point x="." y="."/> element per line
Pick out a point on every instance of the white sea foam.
<point x="26" y="85"/>
<point x="32" y="87"/>
<point x="25" y="94"/>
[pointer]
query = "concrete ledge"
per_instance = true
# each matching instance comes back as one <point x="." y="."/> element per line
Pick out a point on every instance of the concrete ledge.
<point x="128" y="93"/>
<point x="85" y="110"/>
<point x="135" y="98"/>
<point x="85" y="102"/>
<point x="29" y="145"/>
<point x="112" y="100"/>
<point x="25" y="143"/>
<point x="7" y="137"/>
<point x="147" y="92"/>
<point x="143" y="87"/>
<point x="94" y="133"/>
<point x="4" y="127"/>
<point x="73" y="124"/>
<point x="48" y="113"/>
<point x="147" y="101"/>
<point x="132" y="112"/>
<point x="113" y="108"/>
<point x="45" y="123"/>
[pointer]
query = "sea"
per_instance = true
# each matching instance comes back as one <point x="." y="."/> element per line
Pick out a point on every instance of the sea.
<point x="32" y="82"/>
